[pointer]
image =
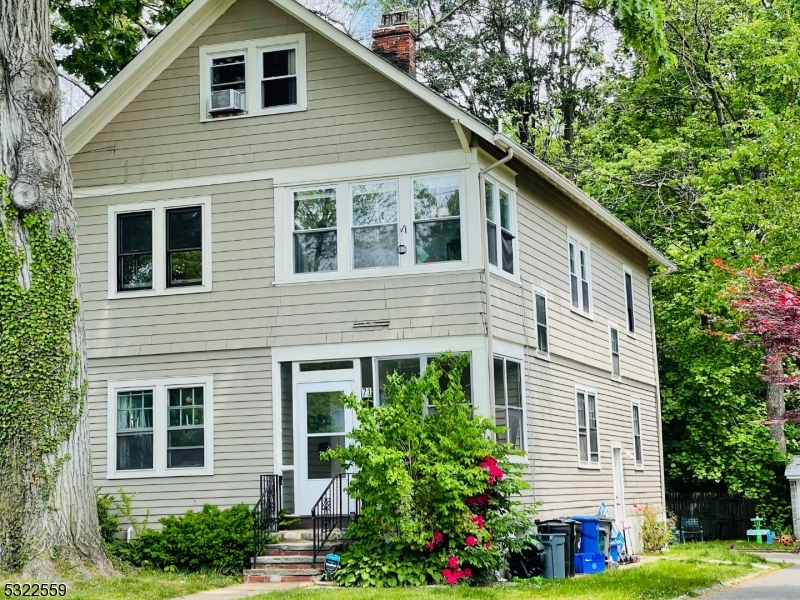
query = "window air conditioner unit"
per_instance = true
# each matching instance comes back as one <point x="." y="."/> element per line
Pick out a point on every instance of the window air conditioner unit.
<point x="227" y="101"/>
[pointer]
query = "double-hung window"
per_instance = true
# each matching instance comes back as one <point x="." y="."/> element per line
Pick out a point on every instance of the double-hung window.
<point x="437" y="218"/>
<point x="375" y="217"/>
<point x="508" y="411"/>
<point x="500" y="215"/>
<point x="185" y="246"/>
<point x="160" y="427"/>
<point x="637" y="436"/>
<point x="628" y="279"/>
<point x="613" y="334"/>
<point x="580" y="275"/>
<point x="279" y="78"/>
<point x="540" y="315"/>
<point x="161" y="248"/>
<point x="315" y="236"/>
<point x="135" y="251"/>
<point x="588" y="442"/>
<point x="253" y="77"/>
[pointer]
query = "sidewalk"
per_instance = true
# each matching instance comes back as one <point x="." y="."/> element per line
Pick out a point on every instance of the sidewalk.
<point x="243" y="590"/>
<point x="783" y="584"/>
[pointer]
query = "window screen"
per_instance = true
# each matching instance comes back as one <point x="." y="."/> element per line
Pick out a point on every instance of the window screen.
<point x="279" y="78"/>
<point x="135" y="251"/>
<point x="185" y="246"/>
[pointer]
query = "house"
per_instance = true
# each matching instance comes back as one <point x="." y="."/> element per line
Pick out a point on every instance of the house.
<point x="271" y="214"/>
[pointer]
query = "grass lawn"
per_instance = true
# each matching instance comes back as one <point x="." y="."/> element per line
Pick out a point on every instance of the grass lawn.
<point x="140" y="585"/>
<point x="738" y="545"/>
<point x="654" y="581"/>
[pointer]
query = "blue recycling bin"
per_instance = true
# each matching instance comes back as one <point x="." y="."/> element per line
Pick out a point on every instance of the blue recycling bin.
<point x="590" y="535"/>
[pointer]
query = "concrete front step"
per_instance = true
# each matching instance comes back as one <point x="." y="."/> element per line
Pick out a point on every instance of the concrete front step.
<point x="296" y="548"/>
<point x="278" y="575"/>
<point x="300" y="535"/>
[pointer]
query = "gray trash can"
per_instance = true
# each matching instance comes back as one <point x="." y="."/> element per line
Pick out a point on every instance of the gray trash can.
<point x="554" y="548"/>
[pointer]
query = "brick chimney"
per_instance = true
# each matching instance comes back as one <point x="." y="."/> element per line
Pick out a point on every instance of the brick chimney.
<point x="396" y="42"/>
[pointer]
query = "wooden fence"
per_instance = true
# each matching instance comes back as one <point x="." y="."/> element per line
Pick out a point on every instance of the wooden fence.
<point x="722" y="517"/>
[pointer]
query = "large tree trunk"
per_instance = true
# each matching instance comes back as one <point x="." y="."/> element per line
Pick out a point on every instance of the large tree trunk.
<point x="776" y="405"/>
<point x="60" y="519"/>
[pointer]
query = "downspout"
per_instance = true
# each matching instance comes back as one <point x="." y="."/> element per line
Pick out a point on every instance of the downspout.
<point x="658" y="387"/>
<point x="488" y="286"/>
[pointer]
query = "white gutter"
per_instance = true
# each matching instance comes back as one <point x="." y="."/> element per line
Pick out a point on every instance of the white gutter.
<point x="486" y="273"/>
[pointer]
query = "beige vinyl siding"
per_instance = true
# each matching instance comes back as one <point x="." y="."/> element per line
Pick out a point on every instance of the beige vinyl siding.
<point x="244" y="309"/>
<point x="353" y="113"/>
<point x="243" y="447"/>
<point x="544" y="219"/>
<point x="563" y="487"/>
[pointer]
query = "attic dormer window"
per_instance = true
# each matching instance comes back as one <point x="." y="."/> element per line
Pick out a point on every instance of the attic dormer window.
<point x="253" y="77"/>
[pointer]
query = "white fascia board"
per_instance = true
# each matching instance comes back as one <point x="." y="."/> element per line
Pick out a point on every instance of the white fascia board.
<point x="140" y="72"/>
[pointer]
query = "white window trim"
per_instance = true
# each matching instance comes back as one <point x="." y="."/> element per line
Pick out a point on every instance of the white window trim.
<point x="284" y="228"/>
<point x="586" y="391"/>
<point x="612" y="325"/>
<point x="638" y="465"/>
<point x="517" y="358"/>
<point x="498" y="269"/>
<point x="160" y="422"/>
<point x="540" y="291"/>
<point x="159" y="247"/>
<point x="580" y="243"/>
<point x="626" y="270"/>
<point x="252" y="50"/>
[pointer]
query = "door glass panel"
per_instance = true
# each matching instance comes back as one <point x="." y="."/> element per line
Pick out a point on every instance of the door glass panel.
<point x="319" y="468"/>
<point x="325" y="412"/>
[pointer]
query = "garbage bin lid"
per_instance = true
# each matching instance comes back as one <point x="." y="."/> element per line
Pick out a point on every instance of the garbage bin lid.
<point x="585" y="519"/>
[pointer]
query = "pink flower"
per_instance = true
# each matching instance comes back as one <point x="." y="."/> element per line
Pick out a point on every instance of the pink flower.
<point x="438" y="537"/>
<point x="451" y="577"/>
<point x="471" y="540"/>
<point x="429" y="545"/>
<point x="467" y="572"/>
<point x="491" y="479"/>
<point x="488" y="545"/>
<point x="478" y="520"/>
<point x="453" y="562"/>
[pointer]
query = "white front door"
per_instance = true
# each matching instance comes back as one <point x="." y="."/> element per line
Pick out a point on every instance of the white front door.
<point x="619" y="485"/>
<point x="323" y="422"/>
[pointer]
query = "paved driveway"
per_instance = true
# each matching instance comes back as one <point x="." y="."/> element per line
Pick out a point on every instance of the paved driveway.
<point x="778" y="585"/>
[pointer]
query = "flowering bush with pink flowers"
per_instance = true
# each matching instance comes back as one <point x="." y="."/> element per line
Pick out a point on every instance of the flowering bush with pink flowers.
<point x="435" y="481"/>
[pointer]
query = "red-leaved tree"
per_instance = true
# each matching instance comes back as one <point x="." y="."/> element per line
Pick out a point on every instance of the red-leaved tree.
<point x="769" y="311"/>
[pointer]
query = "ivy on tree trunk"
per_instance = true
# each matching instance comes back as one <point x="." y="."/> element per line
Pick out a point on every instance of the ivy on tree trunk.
<point x="47" y="507"/>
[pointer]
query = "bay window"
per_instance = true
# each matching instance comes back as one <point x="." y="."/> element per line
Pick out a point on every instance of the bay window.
<point x="315" y="230"/>
<point x="437" y="218"/>
<point x="500" y="226"/>
<point x="375" y="218"/>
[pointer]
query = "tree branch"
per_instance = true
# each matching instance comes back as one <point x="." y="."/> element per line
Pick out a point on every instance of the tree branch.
<point x="76" y="83"/>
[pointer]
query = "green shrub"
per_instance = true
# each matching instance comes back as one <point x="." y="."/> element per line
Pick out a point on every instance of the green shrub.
<point x="374" y="564"/>
<point x="656" y="533"/>
<point x="109" y="522"/>
<point x="433" y="485"/>
<point x="210" y="541"/>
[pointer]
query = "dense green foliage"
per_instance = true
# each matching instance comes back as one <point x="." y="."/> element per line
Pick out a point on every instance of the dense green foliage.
<point x="379" y="564"/>
<point x="109" y="521"/>
<point x="433" y="483"/>
<point x="209" y="541"/>
<point x="700" y="160"/>
<point x="97" y="38"/>
<point x="39" y="403"/>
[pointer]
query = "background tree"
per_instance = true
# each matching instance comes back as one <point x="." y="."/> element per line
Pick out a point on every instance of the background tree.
<point x="47" y="505"/>
<point x="699" y="159"/>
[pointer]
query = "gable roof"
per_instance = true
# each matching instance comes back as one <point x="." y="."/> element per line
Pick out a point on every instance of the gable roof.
<point x="201" y="14"/>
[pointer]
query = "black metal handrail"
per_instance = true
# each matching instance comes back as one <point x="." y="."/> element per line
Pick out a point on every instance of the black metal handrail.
<point x="266" y="512"/>
<point x="334" y="509"/>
